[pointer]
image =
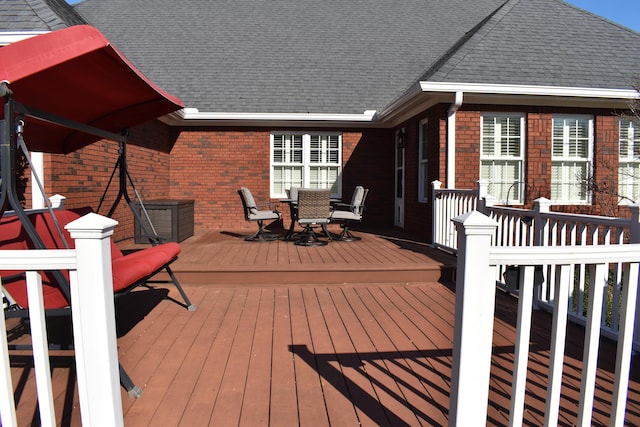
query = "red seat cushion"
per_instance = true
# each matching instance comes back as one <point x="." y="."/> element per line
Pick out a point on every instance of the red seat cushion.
<point x="127" y="270"/>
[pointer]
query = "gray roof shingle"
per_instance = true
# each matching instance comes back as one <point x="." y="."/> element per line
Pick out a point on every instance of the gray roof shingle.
<point x="333" y="56"/>
<point x="547" y="43"/>
<point x="37" y="15"/>
<point x="284" y="55"/>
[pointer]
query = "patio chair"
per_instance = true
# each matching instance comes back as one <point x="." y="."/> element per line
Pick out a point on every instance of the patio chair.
<point x="314" y="210"/>
<point x="252" y="213"/>
<point x="345" y="213"/>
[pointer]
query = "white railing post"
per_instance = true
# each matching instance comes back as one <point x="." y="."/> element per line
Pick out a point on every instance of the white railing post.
<point x="540" y="206"/>
<point x="483" y="188"/>
<point x="94" y="327"/>
<point x="57" y="201"/>
<point x="485" y="203"/>
<point x="473" y="333"/>
<point x="436" y="216"/>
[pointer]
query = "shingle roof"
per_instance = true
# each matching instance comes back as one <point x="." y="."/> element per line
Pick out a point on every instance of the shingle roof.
<point x="547" y="43"/>
<point x="37" y="15"/>
<point x="280" y="56"/>
<point x="285" y="55"/>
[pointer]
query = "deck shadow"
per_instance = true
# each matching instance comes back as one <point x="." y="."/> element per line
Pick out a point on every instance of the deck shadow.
<point x="62" y="364"/>
<point x="134" y="306"/>
<point x="429" y="410"/>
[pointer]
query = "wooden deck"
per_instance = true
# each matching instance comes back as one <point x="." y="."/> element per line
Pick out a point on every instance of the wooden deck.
<point x="365" y="352"/>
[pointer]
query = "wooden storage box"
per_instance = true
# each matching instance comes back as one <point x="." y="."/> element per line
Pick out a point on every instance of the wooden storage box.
<point x="172" y="220"/>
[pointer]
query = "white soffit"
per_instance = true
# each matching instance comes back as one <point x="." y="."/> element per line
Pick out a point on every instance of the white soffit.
<point x="536" y="95"/>
<point x="192" y="116"/>
<point x="8" y="37"/>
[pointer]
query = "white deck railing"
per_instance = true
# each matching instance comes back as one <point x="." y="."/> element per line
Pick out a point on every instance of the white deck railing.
<point x="478" y="261"/>
<point x="541" y="227"/>
<point x="93" y="315"/>
<point x="448" y="204"/>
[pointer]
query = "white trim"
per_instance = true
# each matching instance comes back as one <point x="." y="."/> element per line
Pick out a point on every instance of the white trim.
<point x="195" y="115"/>
<point x="500" y="89"/>
<point x="419" y="97"/>
<point x="8" y="37"/>
<point x="451" y="139"/>
<point x="37" y="197"/>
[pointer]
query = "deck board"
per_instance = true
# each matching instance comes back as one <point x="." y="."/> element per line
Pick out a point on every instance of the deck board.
<point x="374" y="352"/>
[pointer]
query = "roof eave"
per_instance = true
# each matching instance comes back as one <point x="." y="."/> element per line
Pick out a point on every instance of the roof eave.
<point x="8" y="37"/>
<point x="417" y="99"/>
<point x="194" y="117"/>
<point x="425" y="94"/>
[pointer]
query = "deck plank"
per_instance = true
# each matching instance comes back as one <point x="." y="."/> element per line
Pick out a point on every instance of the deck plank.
<point x="228" y="405"/>
<point x="303" y="352"/>
<point x="178" y="393"/>
<point x="309" y="390"/>
<point x="339" y="407"/>
<point x="255" y="404"/>
<point x="283" y="389"/>
<point x="206" y="389"/>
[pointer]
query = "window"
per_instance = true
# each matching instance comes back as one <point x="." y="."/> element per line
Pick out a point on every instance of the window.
<point x="502" y="156"/>
<point x="629" y="162"/>
<point x="423" y="163"/>
<point x="305" y="160"/>
<point x="571" y="158"/>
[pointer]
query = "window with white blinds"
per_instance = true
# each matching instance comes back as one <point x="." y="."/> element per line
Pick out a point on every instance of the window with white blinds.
<point x="305" y="160"/>
<point x="571" y="159"/>
<point x="629" y="162"/>
<point x="502" y="156"/>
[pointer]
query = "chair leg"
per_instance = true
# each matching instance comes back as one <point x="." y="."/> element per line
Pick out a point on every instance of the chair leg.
<point x="125" y="380"/>
<point x="326" y="232"/>
<point x="260" y="235"/>
<point x="308" y="237"/>
<point x="178" y="286"/>
<point x="346" y="235"/>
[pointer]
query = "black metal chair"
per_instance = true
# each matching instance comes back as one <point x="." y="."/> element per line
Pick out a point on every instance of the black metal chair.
<point x="345" y="213"/>
<point x="252" y="213"/>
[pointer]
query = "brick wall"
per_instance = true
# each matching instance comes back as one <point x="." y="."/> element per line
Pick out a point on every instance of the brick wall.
<point x="82" y="176"/>
<point x="210" y="166"/>
<point x="538" y="154"/>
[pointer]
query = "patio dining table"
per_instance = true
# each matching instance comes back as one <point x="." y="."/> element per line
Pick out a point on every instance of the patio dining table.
<point x="293" y="214"/>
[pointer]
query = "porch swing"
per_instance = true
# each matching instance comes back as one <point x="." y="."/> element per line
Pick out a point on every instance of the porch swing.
<point x="62" y="91"/>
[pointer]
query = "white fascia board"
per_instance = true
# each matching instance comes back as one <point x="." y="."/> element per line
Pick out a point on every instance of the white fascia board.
<point x="425" y="94"/>
<point x="527" y="90"/>
<point x="193" y="116"/>
<point x="8" y="37"/>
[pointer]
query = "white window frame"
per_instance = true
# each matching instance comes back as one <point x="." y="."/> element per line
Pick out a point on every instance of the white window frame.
<point x="629" y="161"/>
<point x="569" y="162"/>
<point x="423" y="162"/>
<point x="305" y="166"/>
<point x="514" y="194"/>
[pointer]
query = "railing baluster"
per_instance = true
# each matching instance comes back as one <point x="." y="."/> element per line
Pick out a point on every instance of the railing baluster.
<point x="7" y="402"/>
<point x="38" y="324"/>
<point x="521" y="354"/>
<point x="597" y="287"/>
<point x="625" y="344"/>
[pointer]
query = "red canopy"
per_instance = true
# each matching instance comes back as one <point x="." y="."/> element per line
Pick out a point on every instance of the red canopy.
<point x="75" y="73"/>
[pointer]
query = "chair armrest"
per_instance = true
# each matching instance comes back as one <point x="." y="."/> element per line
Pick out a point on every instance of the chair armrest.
<point x="341" y="206"/>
